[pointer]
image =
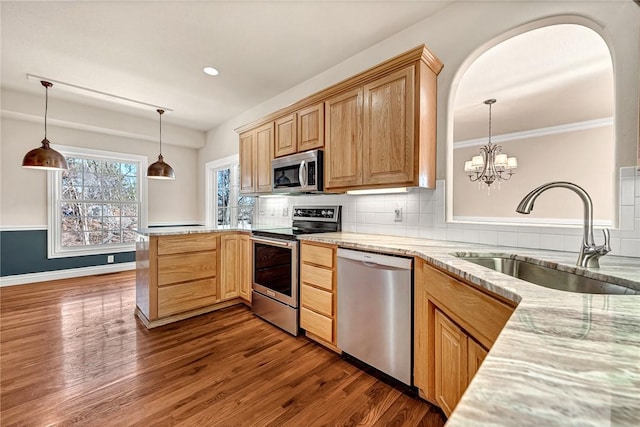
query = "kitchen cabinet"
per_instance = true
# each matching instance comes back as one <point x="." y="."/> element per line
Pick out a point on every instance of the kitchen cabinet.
<point x="343" y="145"/>
<point x="311" y="127"/>
<point x="246" y="268"/>
<point x="455" y="326"/>
<point x="256" y="153"/>
<point x="230" y="266"/>
<point x="382" y="134"/>
<point x="318" y="292"/>
<point x="378" y="128"/>
<point x="286" y="140"/>
<point x="180" y="276"/>
<point x="175" y="274"/>
<point x="300" y="131"/>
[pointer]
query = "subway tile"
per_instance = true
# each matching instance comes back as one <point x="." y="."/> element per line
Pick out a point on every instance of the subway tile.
<point x="472" y="236"/>
<point x="630" y="247"/>
<point x="615" y="246"/>
<point x="426" y="233"/>
<point x="507" y="238"/>
<point x="426" y="220"/>
<point x="413" y="232"/>
<point x="572" y="243"/>
<point x="627" y="191"/>
<point x="413" y="207"/>
<point x="412" y="219"/>
<point x="554" y="242"/>
<point x="529" y="240"/>
<point x="454" y="234"/>
<point x="627" y="214"/>
<point x="488" y="237"/>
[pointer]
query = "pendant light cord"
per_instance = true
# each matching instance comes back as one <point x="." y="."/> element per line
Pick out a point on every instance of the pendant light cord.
<point x="490" y="123"/>
<point x="46" y="108"/>
<point x="160" y="112"/>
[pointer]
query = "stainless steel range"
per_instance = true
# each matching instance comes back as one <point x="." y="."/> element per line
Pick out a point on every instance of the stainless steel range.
<point x="275" y="294"/>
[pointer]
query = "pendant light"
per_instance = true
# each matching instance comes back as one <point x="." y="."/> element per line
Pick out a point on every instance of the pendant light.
<point x="160" y="169"/>
<point x="44" y="157"/>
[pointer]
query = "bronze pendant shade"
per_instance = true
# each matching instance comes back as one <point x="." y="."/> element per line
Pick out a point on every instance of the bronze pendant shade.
<point x="44" y="157"/>
<point x="160" y="169"/>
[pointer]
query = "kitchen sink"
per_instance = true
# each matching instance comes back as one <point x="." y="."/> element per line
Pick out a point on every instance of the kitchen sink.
<point x="546" y="276"/>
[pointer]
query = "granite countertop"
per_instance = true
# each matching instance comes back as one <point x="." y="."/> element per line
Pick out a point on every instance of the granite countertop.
<point x="191" y="229"/>
<point x="563" y="358"/>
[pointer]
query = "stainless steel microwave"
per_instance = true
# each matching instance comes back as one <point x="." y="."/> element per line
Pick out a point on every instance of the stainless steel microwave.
<point x="298" y="173"/>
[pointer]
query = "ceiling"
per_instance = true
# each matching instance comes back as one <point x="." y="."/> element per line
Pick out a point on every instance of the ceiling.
<point x="154" y="51"/>
<point x="550" y="76"/>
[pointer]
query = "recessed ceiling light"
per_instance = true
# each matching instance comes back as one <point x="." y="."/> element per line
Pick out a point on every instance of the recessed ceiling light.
<point x="210" y="70"/>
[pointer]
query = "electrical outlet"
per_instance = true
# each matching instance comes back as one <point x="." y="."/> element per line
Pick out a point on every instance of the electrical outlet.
<point x="110" y="259"/>
<point x="397" y="214"/>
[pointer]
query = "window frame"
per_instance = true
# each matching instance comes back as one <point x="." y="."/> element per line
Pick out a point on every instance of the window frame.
<point x="211" y="190"/>
<point x="54" y="227"/>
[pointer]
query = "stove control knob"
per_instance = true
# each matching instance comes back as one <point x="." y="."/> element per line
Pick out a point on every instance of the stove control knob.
<point x="324" y="213"/>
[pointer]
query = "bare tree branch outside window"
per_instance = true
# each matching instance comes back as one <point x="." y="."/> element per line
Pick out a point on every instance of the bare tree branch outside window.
<point x="99" y="202"/>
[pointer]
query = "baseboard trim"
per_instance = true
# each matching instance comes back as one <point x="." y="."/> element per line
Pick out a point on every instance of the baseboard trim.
<point x="22" y="279"/>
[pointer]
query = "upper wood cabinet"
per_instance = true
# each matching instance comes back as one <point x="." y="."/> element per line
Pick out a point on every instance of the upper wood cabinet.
<point x="343" y="145"/>
<point x="378" y="128"/>
<point x="256" y="153"/>
<point x="286" y="141"/>
<point x="300" y="131"/>
<point x="397" y="143"/>
<point x="388" y="145"/>
<point x="311" y="127"/>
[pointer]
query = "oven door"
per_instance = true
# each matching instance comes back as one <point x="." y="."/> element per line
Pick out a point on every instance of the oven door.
<point x="275" y="269"/>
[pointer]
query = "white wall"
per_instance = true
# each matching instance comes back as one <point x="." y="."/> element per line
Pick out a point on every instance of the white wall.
<point x="456" y="35"/>
<point x="23" y="199"/>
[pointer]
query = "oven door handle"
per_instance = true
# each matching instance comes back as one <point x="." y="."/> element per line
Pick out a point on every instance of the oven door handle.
<point x="273" y="242"/>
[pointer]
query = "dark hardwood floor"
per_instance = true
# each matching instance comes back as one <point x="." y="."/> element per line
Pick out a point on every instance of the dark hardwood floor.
<point x="72" y="353"/>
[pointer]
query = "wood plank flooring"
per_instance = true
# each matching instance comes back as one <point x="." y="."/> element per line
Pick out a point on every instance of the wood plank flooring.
<point x="72" y="353"/>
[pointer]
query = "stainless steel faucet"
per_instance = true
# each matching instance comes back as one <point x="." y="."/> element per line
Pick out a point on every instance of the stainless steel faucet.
<point x="590" y="253"/>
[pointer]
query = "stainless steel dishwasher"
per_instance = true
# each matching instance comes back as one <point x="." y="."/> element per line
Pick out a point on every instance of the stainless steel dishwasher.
<point x="375" y="311"/>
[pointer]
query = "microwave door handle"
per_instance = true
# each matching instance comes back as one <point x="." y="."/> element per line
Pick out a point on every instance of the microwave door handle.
<point x="302" y="173"/>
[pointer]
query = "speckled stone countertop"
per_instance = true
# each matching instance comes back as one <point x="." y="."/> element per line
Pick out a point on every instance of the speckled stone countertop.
<point x="562" y="359"/>
<point x="192" y="229"/>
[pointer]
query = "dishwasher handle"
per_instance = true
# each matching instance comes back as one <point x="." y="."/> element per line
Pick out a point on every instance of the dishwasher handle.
<point x="375" y="260"/>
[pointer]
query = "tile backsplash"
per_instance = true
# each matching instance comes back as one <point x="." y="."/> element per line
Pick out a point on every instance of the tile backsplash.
<point x="423" y="215"/>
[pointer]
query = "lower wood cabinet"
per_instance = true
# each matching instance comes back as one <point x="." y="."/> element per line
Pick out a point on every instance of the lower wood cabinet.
<point x="230" y="266"/>
<point x="455" y="326"/>
<point x="246" y="268"/>
<point x="178" y="276"/>
<point x="318" y="292"/>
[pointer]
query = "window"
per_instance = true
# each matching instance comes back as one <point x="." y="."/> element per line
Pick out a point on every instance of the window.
<point x="97" y="204"/>
<point x="223" y="194"/>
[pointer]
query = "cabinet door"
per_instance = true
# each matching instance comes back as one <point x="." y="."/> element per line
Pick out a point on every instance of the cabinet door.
<point x="450" y="363"/>
<point x="343" y="144"/>
<point x="476" y="355"/>
<point x="264" y="155"/>
<point x="311" y="127"/>
<point x="247" y="162"/>
<point x="246" y="268"/>
<point x="286" y="135"/>
<point x="388" y="135"/>
<point x="230" y="276"/>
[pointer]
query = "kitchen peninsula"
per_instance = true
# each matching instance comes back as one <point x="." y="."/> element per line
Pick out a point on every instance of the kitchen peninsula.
<point x="186" y="271"/>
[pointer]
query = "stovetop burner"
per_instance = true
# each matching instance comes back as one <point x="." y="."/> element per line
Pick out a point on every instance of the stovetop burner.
<point x="306" y="220"/>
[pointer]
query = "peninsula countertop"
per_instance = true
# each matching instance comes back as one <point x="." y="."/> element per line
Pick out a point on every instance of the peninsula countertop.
<point x="189" y="229"/>
<point x="562" y="359"/>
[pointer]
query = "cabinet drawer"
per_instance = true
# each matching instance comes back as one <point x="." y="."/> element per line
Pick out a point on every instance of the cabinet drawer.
<point x="317" y="324"/>
<point x="182" y="268"/>
<point x="186" y="296"/>
<point x="478" y="313"/>
<point x="317" y="276"/>
<point x="317" y="300"/>
<point x="318" y="255"/>
<point x="186" y="243"/>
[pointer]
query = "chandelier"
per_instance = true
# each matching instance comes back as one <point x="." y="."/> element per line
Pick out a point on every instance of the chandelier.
<point x="492" y="165"/>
